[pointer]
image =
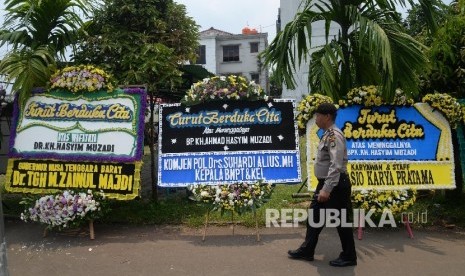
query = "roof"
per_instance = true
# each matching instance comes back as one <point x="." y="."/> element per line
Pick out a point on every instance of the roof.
<point x="213" y="32"/>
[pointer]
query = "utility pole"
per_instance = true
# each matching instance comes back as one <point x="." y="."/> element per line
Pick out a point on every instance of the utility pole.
<point x="3" y="263"/>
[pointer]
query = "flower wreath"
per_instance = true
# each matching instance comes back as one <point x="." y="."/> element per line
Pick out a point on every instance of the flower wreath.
<point x="64" y="209"/>
<point x="447" y="105"/>
<point x="367" y="95"/>
<point x="219" y="88"/>
<point x="238" y="197"/>
<point x="307" y="106"/>
<point x="81" y="78"/>
<point x="371" y="96"/>
<point x="395" y="200"/>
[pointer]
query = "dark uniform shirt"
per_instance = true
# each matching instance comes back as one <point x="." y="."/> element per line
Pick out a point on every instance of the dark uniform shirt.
<point x="331" y="159"/>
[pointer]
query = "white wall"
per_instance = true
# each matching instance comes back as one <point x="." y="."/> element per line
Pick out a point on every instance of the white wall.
<point x="289" y="9"/>
<point x="248" y="62"/>
<point x="210" y="54"/>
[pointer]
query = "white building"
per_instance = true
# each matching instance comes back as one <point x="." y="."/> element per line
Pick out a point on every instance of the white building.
<point x="288" y="10"/>
<point x="223" y="53"/>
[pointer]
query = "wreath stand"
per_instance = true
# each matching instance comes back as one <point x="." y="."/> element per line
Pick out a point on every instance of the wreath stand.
<point x="76" y="232"/>
<point x="207" y="219"/>
<point x="405" y="221"/>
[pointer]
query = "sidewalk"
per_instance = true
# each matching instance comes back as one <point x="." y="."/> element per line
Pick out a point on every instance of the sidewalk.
<point x="176" y="250"/>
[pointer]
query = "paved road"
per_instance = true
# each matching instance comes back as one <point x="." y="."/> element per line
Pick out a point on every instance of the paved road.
<point x="174" y="250"/>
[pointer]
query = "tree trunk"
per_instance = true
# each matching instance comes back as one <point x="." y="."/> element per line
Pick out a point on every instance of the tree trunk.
<point x="152" y="149"/>
<point x="346" y="76"/>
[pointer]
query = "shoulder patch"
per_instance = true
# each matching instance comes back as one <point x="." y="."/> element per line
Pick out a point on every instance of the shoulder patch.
<point x="331" y="135"/>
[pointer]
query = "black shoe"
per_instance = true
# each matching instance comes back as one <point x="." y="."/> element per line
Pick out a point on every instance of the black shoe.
<point x="341" y="262"/>
<point x="300" y="254"/>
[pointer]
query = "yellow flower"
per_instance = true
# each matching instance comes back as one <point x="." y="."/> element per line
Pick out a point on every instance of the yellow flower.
<point x="82" y="78"/>
<point x="307" y="106"/>
<point x="447" y="105"/>
<point x="231" y="87"/>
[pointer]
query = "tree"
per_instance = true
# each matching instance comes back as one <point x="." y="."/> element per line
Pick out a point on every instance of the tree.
<point x="370" y="48"/>
<point x="142" y="42"/>
<point x="416" y="24"/>
<point x="38" y="31"/>
<point x="276" y="87"/>
<point x="447" y="55"/>
<point x="447" y="58"/>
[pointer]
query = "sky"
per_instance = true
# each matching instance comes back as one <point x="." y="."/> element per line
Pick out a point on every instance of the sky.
<point x="226" y="15"/>
<point x="233" y="15"/>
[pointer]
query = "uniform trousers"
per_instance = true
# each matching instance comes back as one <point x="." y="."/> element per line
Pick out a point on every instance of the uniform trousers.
<point x="339" y="200"/>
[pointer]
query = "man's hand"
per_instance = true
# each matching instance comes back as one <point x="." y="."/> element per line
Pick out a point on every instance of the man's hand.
<point x="323" y="196"/>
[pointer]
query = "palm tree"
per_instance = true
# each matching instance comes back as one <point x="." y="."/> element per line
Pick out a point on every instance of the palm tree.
<point x="370" y="47"/>
<point x="38" y="32"/>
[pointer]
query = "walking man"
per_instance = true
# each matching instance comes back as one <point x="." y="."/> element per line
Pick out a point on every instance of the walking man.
<point x="333" y="190"/>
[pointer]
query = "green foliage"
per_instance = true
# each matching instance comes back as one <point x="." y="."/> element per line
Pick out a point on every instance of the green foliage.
<point x="193" y="73"/>
<point x="38" y="32"/>
<point x="35" y="23"/>
<point x="276" y="86"/>
<point x="178" y="209"/>
<point x="370" y="48"/>
<point x="141" y="42"/>
<point x="29" y="68"/>
<point x="416" y="24"/>
<point x="447" y="56"/>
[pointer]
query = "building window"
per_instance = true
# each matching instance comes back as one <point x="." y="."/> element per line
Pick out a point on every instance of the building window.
<point x="255" y="77"/>
<point x="201" y="57"/>
<point x="230" y="53"/>
<point x="231" y="74"/>
<point x="254" y="47"/>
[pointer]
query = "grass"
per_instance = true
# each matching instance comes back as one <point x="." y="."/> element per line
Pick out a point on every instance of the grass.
<point x="178" y="209"/>
<point x="441" y="208"/>
<point x="175" y="209"/>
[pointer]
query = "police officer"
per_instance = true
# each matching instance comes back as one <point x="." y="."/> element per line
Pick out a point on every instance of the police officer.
<point x="333" y="190"/>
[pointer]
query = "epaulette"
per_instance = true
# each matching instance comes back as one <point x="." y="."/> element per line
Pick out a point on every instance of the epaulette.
<point x="332" y="137"/>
